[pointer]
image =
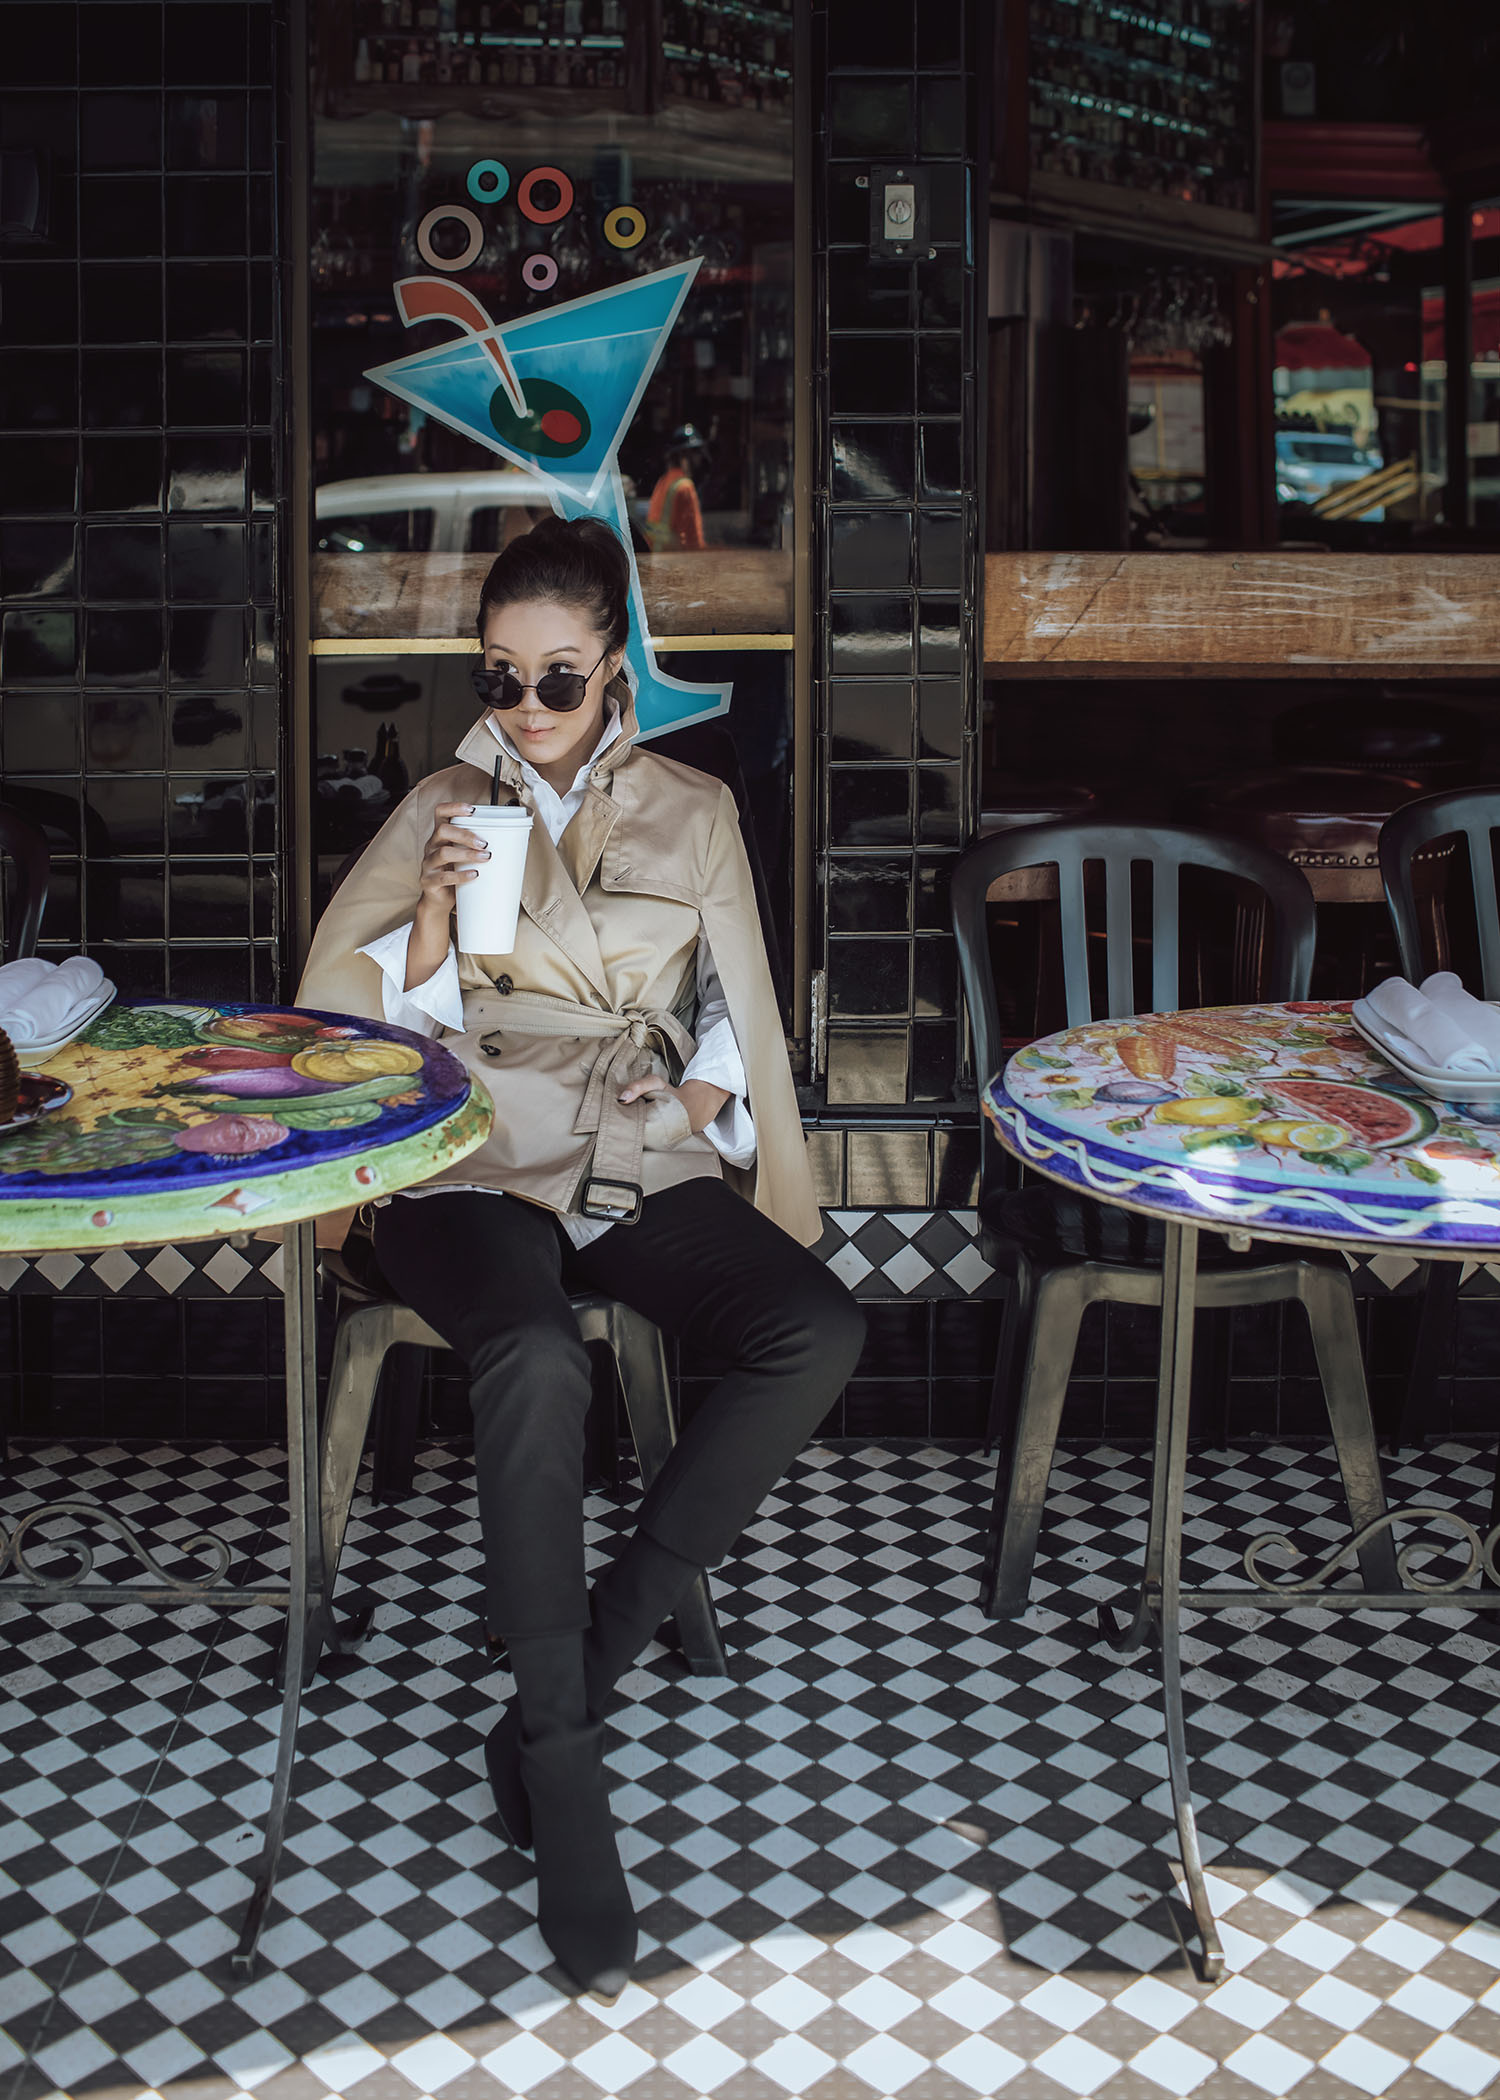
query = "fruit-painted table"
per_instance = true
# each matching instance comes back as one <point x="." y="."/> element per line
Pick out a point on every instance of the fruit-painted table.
<point x="1278" y="1122"/>
<point x="164" y="1122"/>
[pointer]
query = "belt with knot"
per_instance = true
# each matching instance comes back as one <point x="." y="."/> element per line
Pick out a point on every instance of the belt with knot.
<point x="612" y="1188"/>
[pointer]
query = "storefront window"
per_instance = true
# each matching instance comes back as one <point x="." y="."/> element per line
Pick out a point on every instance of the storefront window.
<point x="551" y="266"/>
<point x="1361" y="373"/>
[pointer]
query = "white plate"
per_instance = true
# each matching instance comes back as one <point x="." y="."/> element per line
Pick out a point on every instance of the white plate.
<point x="1444" y="1086"/>
<point x="29" y="1055"/>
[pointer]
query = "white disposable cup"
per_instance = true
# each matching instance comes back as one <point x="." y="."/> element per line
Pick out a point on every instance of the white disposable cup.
<point x="490" y="901"/>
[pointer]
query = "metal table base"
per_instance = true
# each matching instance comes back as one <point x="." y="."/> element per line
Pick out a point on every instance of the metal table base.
<point x="1162" y="1600"/>
<point x="307" y="1597"/>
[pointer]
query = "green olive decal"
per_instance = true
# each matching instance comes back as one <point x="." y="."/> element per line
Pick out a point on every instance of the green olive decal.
<point x="555" y="426"/>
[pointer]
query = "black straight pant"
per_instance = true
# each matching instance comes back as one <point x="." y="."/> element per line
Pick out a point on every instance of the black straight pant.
<point x="492" y="1274"/>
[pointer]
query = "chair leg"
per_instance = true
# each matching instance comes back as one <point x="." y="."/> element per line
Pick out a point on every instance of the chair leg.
<point x="1015" y="1338"/>
<point x="641" y="1355"/>
<point x="359" y="1349"/>
<point x="1440" y="1281"/>
<point x="398" y="1420"/>
<point x="1025" y="1460"/>
<point x="1211" y="1365"/>
<point x="1335" y="1333"/>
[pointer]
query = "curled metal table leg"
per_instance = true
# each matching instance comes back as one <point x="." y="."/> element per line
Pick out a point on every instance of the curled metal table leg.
<point x="304" y="1525"/>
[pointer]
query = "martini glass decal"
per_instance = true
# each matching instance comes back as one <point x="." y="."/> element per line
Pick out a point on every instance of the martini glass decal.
<point x="555" y="392"/>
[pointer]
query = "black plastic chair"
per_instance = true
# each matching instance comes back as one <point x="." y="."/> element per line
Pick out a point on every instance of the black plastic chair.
<point x="376" y="1336"/>
<point x="25" y="843"/>
<point x="1064" y="1252"/>
<point x="1472" y="815"/>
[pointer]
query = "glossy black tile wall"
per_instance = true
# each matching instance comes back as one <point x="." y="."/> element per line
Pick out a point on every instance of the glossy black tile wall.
<point x="897" y="535"/>
<point x="139" y="478"/>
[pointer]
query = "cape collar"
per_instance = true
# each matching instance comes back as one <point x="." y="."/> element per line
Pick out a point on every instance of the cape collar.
<point x="479" y="747"/>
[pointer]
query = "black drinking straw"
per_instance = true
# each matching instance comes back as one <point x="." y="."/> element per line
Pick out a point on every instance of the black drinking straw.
<point x="495" y="786"/>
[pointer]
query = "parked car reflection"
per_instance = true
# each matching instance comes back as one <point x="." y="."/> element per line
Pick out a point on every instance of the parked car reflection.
<point x="429" y="513"/>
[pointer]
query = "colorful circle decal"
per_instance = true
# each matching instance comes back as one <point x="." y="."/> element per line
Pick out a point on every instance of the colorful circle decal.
<point x="625" y="227"/>
<point x="539" y="272"/>
<point x="544" y="215"/>
<point x="471" y="247"/>
<point x="555" y="426"/>
<point x="489" y="180"/>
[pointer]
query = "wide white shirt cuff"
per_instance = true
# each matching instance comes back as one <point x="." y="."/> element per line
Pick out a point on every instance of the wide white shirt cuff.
<point x="717" y="1061"/>
<point x="426" y="1007"/>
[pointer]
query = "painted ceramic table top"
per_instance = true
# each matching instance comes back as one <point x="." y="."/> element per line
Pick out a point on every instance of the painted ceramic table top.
<point x="1277" y="1118"/>
<point x="191" y="1121"/>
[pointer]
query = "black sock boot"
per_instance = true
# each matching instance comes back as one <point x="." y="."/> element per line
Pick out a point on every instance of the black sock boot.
<point x="583" y="1905"/>
<point x="632" y="1596"/>
<point x="551" y="1699"/>
<point x="546" y="1764"/>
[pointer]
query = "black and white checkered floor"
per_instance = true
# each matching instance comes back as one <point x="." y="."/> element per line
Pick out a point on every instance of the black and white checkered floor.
<point x="904" y="1852"/>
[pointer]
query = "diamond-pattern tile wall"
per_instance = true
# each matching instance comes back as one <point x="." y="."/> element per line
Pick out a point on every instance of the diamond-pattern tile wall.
<point x="933" y="1299"/>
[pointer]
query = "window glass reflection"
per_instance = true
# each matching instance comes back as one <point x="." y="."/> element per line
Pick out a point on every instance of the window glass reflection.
<point x="1361" y="373"/>
<point x="516" y="159"/>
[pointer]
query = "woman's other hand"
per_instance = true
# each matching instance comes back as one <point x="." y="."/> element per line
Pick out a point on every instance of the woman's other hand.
<point x="701" y="1101"/>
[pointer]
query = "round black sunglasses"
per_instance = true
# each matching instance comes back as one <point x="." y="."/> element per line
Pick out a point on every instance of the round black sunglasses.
<point x="562" y="691"/>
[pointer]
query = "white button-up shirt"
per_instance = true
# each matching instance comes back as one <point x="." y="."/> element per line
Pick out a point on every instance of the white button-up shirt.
<point x="438" y="1003"/>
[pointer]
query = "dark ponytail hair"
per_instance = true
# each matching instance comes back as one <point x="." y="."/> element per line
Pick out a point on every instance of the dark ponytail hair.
<point x="577" y="562"/>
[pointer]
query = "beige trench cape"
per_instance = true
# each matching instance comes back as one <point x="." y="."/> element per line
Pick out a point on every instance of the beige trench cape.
<point x="601" y="986"/>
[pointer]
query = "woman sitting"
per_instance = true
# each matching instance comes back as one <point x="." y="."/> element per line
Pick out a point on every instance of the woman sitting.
<point x="646" y="1145"/>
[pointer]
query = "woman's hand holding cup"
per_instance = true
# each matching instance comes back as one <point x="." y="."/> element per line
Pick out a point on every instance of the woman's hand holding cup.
<point x="448" y="861"/>
<point x="450" y="857"/>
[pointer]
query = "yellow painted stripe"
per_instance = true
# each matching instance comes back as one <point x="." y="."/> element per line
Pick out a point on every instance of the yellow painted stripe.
<point x="463" y="645"/>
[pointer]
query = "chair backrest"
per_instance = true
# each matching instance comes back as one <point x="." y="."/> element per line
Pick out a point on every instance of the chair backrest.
<point x="1167" y="849"/>
<point x="1474" y="813"/>
<point x="26" y="845"/>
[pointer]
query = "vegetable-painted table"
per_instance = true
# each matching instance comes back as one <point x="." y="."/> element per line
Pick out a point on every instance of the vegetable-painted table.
<point x="164" y="1122"/>
<point x="1278" y="1122"/>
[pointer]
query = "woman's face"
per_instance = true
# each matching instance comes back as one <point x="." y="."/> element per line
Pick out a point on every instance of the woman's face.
<point x="531" y="639"/>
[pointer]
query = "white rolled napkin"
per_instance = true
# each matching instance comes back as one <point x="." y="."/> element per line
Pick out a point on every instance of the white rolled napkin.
<point x="40" y="1000"/>
<point x="1429" y="1035"/>
<point x="1476" y="1017"/>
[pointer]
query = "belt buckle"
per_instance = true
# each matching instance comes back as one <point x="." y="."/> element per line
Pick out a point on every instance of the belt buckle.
<point x="618" y="1201"/>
